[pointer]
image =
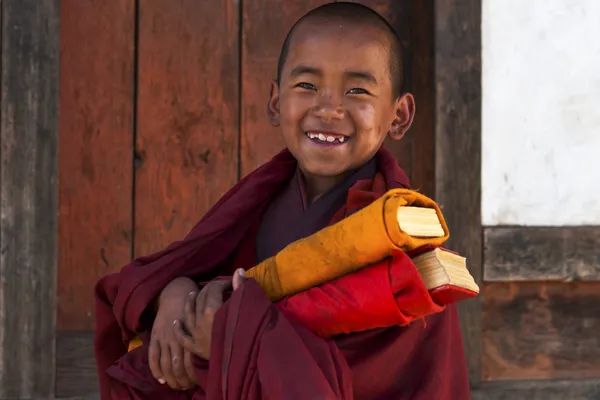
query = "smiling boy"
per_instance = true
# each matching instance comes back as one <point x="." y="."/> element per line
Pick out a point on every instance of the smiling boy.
<point x="338" y="95"/>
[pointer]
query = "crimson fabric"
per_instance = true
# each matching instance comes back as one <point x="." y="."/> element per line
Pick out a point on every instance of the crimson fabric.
<point x="386" y="294"/>
<point x="275" y="356"/>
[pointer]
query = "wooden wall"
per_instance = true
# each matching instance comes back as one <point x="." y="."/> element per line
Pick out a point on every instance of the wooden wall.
<point x="162" y="109"/>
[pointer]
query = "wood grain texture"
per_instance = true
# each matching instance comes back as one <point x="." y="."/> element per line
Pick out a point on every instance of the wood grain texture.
<point x="539" y="390"/>
<point x="28" y="197"/>
<point x="76" y="373"/>
<point x="458" y="149"/>
<point x="413" y="22"/>
<point x="187" y="133"/>
<point x="540" y="253"/>
<point x="96" y="148"/>
<point x="541" y="330"/>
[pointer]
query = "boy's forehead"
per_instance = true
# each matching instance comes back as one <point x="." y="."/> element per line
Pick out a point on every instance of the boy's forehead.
<point x="345" y="43"/>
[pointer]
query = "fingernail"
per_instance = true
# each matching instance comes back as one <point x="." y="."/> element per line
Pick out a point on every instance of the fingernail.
<point x="192" y="294"/>
<point x="161" y="381"/>
<point x="242" y="273"/>
<point x="174" y="322"/>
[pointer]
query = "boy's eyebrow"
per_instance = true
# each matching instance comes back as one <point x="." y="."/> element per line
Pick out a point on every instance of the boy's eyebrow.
<point x="305" y="69"/>
<point x="362" y="75"/>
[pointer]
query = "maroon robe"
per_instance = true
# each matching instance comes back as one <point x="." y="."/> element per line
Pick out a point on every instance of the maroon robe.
<point x="257" y="352"/>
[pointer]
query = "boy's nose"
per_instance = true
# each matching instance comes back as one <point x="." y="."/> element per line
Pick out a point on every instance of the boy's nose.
<point x="328" y="109"/>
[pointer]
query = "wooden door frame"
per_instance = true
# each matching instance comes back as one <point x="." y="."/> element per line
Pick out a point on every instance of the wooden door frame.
<point x="457" y="58"/>
<point x="457" y="55"/>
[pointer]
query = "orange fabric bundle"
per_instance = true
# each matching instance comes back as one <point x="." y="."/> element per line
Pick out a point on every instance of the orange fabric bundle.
<point x="364" y="238"/>
<point x="358" y="241"/>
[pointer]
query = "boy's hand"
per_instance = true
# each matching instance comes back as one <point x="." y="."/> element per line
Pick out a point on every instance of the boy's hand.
<point x="199" y="315"/>
<point x="168" y="361"/>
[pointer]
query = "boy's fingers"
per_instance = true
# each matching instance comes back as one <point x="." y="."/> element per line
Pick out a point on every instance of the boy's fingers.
<point x="179" y="371"/>
<point x="165" y="367"/>
<point x="189" y="366"/>
<point x="154" y="361"/>
<point x="177" y="360"/>
<point x="200" y="303"/>
<point x="239" y="277"/>
<point x="183" y="338"/>
<point x="190" y="310"/>
<point x="214" y="297"/>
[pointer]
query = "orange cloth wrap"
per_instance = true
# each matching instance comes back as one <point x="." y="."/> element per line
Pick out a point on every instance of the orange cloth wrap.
<point x="366" y="237"/>
<point x="359" y="240"/>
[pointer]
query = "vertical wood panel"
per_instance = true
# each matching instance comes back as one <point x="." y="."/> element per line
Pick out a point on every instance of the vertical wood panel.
<point x="458" y="148"/>
<point x="96" y="150"/>
<point x="28" y="197"/>
<point x="187" y="133"/>
<point x="422" y="85"/>
<point x="413" y="22"/>
<point x="535" y="330"/>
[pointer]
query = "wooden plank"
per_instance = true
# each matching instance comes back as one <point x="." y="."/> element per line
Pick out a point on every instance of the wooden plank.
<point x="96" y="148"/>
<point x="458" y="148"/>
<point x="541" y="330"/>
<point x="542" y="253"/>
<point x="76" y="373"/>
<point x="413" y="22"/>
<point x="28" y="197"/>
<point x="539" y="390"/>
<point x="264" y="26"/>
<point x="187" y="113"/>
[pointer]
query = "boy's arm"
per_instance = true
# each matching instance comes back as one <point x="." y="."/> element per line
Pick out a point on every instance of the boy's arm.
<point x="177" y="290"/>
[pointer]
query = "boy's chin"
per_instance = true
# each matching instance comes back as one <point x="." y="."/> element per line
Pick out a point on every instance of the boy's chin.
<point x="325" y="169"/>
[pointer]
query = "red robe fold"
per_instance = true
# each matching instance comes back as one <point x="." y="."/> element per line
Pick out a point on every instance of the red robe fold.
<point x="275" y="355"/>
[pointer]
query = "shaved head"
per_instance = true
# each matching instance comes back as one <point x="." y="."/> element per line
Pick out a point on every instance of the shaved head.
<point x="355" y="15"/>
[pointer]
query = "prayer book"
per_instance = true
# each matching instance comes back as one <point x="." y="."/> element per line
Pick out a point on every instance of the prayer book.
<point x="445" y="275"/>
<point x="420" y="222"/>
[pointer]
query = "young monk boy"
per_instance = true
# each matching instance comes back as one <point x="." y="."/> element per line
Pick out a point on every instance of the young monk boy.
<point x="337" y="96"/>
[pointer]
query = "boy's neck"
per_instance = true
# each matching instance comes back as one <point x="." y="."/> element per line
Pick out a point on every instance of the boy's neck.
<point x="317" y="186"/>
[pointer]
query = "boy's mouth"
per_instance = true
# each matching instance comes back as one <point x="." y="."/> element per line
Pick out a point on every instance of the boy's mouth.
<point x="327" y="137"/>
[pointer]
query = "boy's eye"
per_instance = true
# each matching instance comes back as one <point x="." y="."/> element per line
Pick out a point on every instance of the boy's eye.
<point x="307" y="86"/>
<point x="357" y="91"/>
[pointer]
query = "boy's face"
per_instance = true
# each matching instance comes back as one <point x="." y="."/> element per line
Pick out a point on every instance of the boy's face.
<point x="334" y="103"/>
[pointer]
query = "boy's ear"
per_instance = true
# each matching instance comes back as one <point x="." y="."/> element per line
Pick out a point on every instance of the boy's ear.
<point x="273" y="105"/>
<point x="405" y="114"/>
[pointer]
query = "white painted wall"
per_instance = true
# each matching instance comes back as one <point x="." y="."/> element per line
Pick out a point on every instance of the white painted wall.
<point x="541" y="112"/>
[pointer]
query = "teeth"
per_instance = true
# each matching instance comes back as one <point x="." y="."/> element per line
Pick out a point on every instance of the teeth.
<point x="323" y="138"/>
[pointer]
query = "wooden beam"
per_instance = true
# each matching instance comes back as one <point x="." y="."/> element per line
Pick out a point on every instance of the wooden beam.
<point x="539" y="390"/>
<point x="458" y="148"/>
<point x="76" y="373"/>
<point x="28" y="197"/>
<point x="539" y="330"/>
<point x="543" y="254"/>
